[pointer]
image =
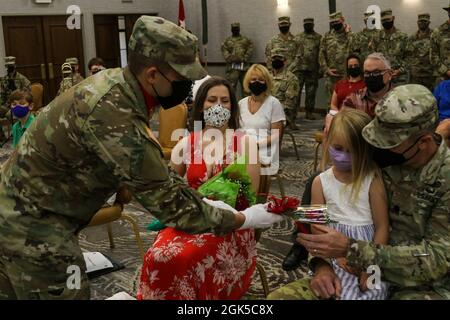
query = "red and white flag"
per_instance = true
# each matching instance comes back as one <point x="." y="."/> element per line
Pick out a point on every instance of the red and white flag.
<point x="181" y="15"/>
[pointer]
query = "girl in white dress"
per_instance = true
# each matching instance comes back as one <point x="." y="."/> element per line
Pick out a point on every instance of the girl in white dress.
<point x="354" y="193"/>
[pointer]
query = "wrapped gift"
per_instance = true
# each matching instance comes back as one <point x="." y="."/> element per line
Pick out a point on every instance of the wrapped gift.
<point x="232" y="185"/>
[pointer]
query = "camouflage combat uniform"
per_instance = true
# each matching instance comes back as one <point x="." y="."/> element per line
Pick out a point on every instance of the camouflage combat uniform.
<point x="417" y="260"/>
<point x="334" y="50"/>
<point x="393" y="44"/>
<point x="286" y="42"/>
<point x="440" y="50"/>
<point x="237" y="50"/>
<point x="69" y="82"/>
<point x="80" y="149"/>
<point x="363" y="42"/>
<point x="306" y="65"/>
<point x="418" y="57"/>
<point x="286" y="88"/>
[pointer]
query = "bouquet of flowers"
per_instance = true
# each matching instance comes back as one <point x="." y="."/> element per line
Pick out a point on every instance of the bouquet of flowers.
<point x="304" y="216"/>
<point x="232" y="185"/>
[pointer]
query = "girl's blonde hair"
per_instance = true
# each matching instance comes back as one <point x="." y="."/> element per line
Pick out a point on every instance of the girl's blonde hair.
<point x="348" y="124"/>
<point x="258" y="68"/>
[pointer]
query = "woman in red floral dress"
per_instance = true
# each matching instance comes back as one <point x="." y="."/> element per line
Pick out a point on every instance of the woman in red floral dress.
<point x="181" y="266"/>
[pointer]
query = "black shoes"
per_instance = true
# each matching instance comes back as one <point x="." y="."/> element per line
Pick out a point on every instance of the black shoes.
<point x="294" y="258"/>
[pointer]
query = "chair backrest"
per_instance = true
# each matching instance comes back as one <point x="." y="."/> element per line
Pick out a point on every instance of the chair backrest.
<point x="37" y="90"/>
<point x="169" y="121"/>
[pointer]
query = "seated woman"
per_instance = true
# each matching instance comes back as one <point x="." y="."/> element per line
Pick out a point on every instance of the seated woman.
<point x="262" y="116"/>
<point x="205" y="267"/>
<point x="345" y="87"/>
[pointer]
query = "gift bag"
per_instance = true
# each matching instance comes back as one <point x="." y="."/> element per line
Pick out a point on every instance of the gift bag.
<point x="232" y="185"/>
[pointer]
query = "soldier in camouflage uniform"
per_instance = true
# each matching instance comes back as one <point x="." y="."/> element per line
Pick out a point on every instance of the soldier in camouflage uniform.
<point x="440" y="48"/>
<point x="237" y="51"/>
<point x="77" y="77"/>
<point x="67" y="81"/>
<point x="74" y="79"/>
<point x="86" y="144"/>
<point x="417" y="261"/>
<point x="285" y="86"/>
<point x="9" y="83"/>
<point x="306" y="65"/>
<point x="363" y="42"/>
<point x="334" y="49"/>
<point x="285" y="40"/>
<point x="393" y="44"/>
<point x="418" y="54"/>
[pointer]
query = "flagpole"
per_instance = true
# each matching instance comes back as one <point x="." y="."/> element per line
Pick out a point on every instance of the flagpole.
<point x="205" y="30"/>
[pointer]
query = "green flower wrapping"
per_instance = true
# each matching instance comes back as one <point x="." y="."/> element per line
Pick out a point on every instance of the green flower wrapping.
<point x="229" y="185"/>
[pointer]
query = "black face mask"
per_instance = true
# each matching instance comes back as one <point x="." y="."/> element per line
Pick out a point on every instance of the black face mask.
<point x="354" y="72"/>
<point x="386" y="158"/>
<point x="423" y="26"/>
<point x="388" y="25"/>
<point x="284" y="29"/>
<point x="10" y="69"/>
<point x="257" y="87"/>
<point x="337" y="26"/>
<point x="375" y="83"/>
<point x="236" y="32"/>
<point x="180" y="91"/>
<point x="309" y="28"/>
<point x="277" y="64"/>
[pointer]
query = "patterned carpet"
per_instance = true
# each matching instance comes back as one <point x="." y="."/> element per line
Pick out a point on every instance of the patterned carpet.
<point x="272" y="247"/>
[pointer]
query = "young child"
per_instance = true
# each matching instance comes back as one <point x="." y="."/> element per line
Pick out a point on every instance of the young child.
<point x="21" y="102"/>
<point x="354" y="193"/>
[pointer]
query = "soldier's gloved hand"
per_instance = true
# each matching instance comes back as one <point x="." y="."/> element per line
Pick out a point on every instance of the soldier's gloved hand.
<point x="257" y="217"/>
<point x="220" y="205"/>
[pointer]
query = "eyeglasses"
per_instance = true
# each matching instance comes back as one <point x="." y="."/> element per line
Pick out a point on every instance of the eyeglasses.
<point x="375" y="73"/>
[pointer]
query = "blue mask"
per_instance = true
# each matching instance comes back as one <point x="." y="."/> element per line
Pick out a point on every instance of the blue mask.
<point x="20" y="111"/>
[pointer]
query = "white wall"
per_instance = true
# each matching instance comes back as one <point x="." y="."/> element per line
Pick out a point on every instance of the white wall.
<point x="88" y="9"/>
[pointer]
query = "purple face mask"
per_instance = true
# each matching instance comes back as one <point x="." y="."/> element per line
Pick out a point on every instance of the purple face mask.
<point x="341" y="160"/>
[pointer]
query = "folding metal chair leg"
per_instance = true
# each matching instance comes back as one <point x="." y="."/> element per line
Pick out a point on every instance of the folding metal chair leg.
<point x="263" y="277"/>
<point x="295" y="145"/>
<point x="316" y="156"/>
<point x="135" y="227"/>
<point x="280" y="185"/>
<point x="110" y="236"/>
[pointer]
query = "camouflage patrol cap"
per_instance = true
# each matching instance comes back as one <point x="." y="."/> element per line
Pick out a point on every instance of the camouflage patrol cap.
<point x="386" y="14"/>
<point x="405" y="111"/>
<point x="424" y="17"/>
<point x="235" y="25"/>
<point x="278" y="52"/>
<point x="308" y="20"/>
<point x="72" y="60"/>
<point x="335" y="17"/>
<point x="161" y="40"/>
<point x="283" y="21"/>
<point x="10" y="61"/>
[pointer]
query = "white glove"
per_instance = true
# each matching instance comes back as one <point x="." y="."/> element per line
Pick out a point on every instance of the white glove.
<point x="220" y="205"/>
<point x="257" y="217"/>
